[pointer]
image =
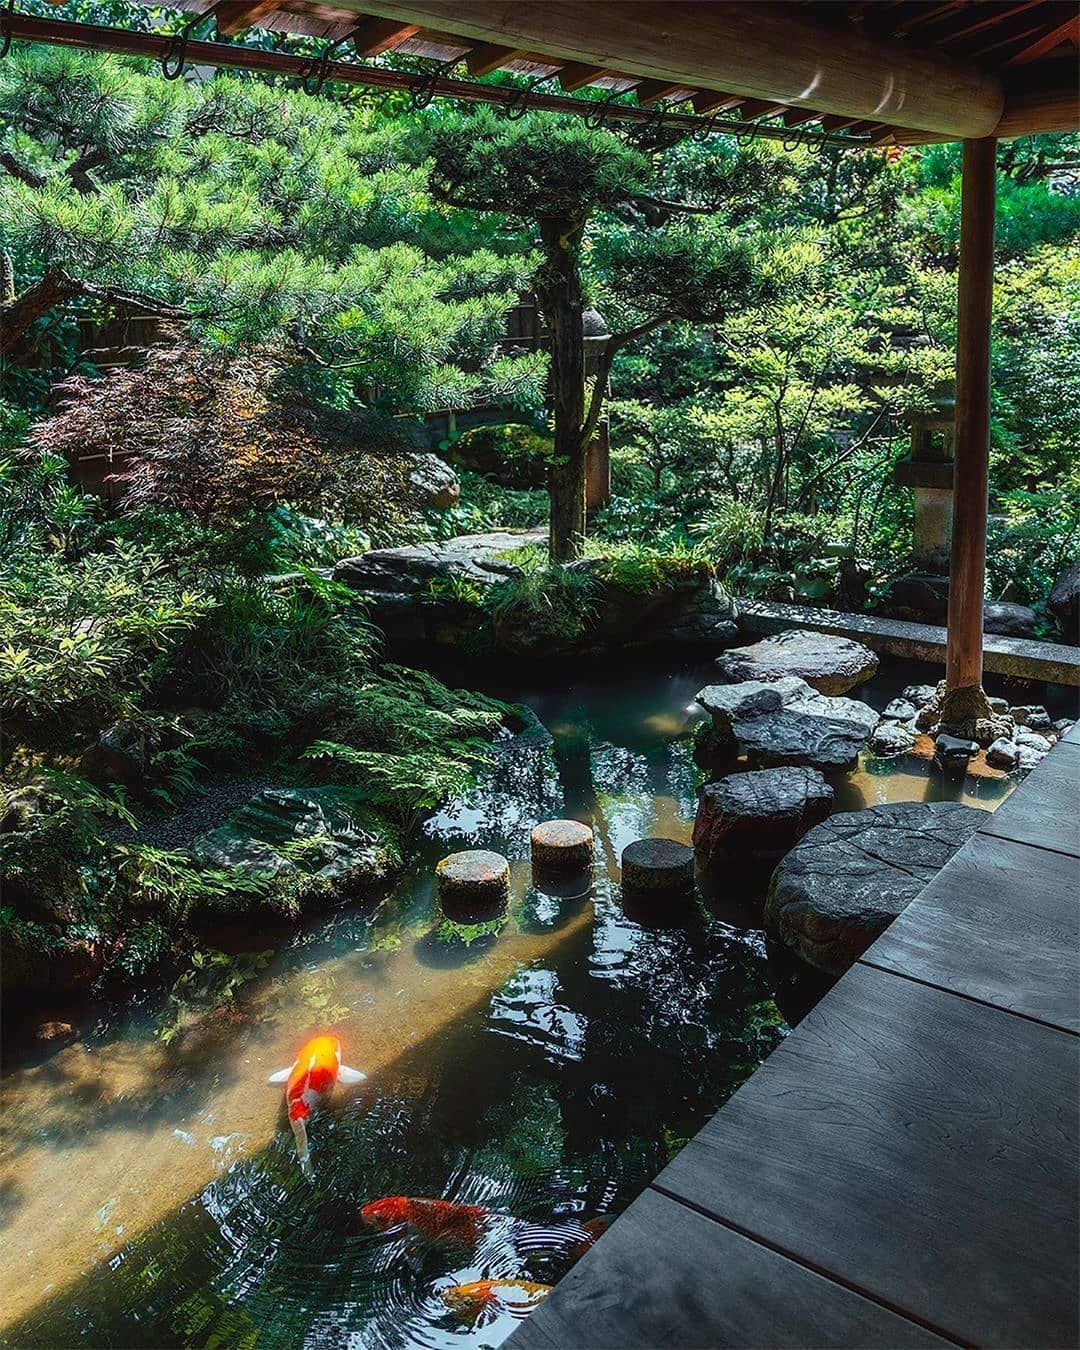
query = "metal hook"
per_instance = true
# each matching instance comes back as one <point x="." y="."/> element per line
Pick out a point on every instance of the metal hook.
<point x="318" y="69"/>
<point x="517" y="105"/>
<point x="649" y="134"/>
<point x="5" y="28"/>
<point x="174" y="57"/>
<point x="423" y="91"/>
<point x="598" y="118"/>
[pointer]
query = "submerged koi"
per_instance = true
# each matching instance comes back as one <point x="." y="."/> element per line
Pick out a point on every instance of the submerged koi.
<point x="311" y="1077"/>
<point x="485" y="1298"/>
<point x="446" y="1221"/>
<point x="437" y="1220"/>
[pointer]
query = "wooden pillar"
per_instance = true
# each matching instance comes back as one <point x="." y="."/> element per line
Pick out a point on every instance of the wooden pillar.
<point x="967" y="572"/>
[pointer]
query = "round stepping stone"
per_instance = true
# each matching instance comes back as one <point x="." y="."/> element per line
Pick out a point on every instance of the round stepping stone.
<point x="847" y="879"/>
<point x="562" y="845"/>
<point x="474" y="881"/>
<point x="657" y="865"/>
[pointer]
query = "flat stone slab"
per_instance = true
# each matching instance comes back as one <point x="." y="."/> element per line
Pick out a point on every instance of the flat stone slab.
<point x="843" y="884"/>
<point x="657" y="864"/>
<point x="832" y="665"/>
<point x="406" y="572"/>
<point x="1053" y="662"/>
<point x="752" y="819"/>
<point x="565" y="845"/>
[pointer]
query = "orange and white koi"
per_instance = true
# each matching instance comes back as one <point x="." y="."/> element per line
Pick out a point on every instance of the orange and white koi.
<point x="312" y="1076"/>
<point x="484" y="1299"/>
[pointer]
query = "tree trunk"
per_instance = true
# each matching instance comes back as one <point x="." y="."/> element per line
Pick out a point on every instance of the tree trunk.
<point x="559" y="291"/>
<point x="16" y="315"/>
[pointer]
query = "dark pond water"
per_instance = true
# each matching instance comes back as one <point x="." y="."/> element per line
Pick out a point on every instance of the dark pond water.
<point x="545" y="1070"/>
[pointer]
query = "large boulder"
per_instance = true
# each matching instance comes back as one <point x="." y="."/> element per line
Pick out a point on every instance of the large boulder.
<point x="1010" y="620"/>
<point x="1065" y="602"/>
<point x="748" y="820"/>
<point x="341" y="860"/>
<point x="832" y="665"/>
<point x="405" y="575"/>
<point x="786" y="722"/>
<point x="433" y="480"/>
<point x="843" y="884"/>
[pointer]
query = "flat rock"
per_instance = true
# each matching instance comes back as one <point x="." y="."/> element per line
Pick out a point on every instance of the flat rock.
<point x="809" y="729"/>
<point x="725" y="702"/>
<point x="473" y="881"/>
<point x="409" y="572"/>
<point x="899" y="710"/>
<point x="750" y="819"/>
<point x="832" y="665"/>
<point x="843" y="884"/>
<point x="954" y="748"/>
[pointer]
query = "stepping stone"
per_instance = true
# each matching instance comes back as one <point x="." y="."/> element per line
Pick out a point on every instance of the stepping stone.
<point x="783" y="722"/>
<point x="657" y="865"/>
<point x="753" y="819"/>
<point x="899" y="710"/>
<point x="476" y="880"/>
<point x="832" y="665"/>
<point x="846" y="880"/>
<point x="562" y="845"/>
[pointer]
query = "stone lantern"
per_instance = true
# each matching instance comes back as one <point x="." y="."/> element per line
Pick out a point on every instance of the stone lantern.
<point x="594" y="334"/>
<point x="929" y="470"/>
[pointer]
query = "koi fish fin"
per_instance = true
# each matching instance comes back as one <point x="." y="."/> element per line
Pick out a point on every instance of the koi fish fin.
<point x="349" y="1076"/>
<point x="282" y="1075"/>
<point x="299" y="1130"/>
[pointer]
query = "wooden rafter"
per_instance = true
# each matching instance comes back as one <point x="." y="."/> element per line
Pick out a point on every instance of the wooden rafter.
<point x="489" y="56"/>
<point x="1046" y="44"/>
<point x="654" y="91"/>
<point x="707" y="103"/>
<point x="236" y="15"/>
<point x="577" y="74"/>
<point x="968" y="29"/>
<point x="372" y="37"/>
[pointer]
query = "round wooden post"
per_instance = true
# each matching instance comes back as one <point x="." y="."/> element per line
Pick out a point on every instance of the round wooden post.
<point x="967" y="572"/>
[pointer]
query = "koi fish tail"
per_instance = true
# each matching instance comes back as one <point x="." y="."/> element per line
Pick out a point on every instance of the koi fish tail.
<point x="299" y="1130"/>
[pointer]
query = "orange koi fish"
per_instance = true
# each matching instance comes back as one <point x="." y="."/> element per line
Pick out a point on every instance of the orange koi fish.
<point x="437" y="1220"/>
<point x="484" y="1299"/>
<point x="312" y="1076"/>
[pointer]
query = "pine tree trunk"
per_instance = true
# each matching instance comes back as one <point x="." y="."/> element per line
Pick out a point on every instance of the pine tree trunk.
<point x="559" y="291"/>
<point x="17" y="314"/>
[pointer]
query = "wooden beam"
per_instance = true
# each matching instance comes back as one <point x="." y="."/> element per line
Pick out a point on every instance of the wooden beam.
<point x="785" y="54"/>
<point x="759" y="107"/>
<point x="1041" y="99"/>
<point x="654" y="91"/>
<point x="577" y="74"/>
<point x="798" y="119"/>
<point x="236" y="15"/>
<point x="372" y="37"/>
<point x="974" y="301"/>
<point x="490" y="56"/>
<point x="1046" y="44"/>
<point x="706" y="103"/>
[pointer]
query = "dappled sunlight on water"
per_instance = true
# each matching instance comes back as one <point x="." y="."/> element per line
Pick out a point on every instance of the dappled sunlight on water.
<point x="544" y="1065"/>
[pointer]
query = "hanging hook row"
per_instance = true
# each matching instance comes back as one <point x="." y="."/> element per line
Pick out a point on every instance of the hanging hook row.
<point x="517" y="105"/>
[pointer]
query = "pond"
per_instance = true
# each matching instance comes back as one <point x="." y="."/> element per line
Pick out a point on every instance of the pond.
<point x="545" y="1070"/>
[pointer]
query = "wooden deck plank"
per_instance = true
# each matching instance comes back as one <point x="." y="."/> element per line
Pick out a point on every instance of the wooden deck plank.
<point x="917" y="1146"/>
<point x="667" y="1276"/>
<point x="1045" y="809"/>
<point x="1000" y="924"/>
